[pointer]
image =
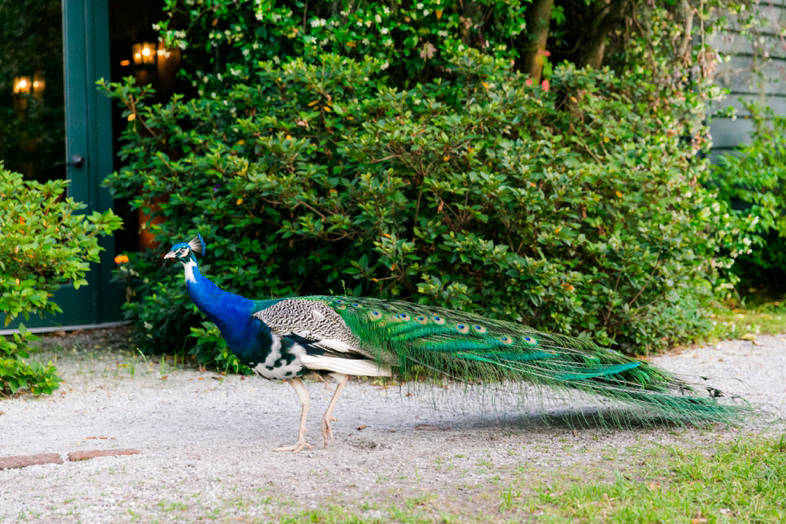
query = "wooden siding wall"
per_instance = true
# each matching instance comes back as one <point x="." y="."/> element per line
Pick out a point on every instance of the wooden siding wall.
<point x="741" y="73"/>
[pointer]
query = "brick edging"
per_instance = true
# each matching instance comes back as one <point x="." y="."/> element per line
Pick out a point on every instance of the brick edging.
<point x="22" y="461"/>
<point x="87" y="455"/>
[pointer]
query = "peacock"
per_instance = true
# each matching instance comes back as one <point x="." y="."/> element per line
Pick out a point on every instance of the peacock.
<point x="286" y="338"/>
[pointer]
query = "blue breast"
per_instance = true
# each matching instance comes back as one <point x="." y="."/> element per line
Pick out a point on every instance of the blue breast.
<point x="248" y="338"/>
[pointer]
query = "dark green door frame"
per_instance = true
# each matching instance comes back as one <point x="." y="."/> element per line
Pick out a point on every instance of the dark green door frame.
<point x="88" y="116"/>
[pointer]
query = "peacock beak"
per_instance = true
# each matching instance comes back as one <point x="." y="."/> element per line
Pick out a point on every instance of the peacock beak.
<point x="171" y="254"/>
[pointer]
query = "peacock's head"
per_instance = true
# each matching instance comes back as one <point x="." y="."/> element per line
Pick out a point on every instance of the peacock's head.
<point x="183" y="251"/>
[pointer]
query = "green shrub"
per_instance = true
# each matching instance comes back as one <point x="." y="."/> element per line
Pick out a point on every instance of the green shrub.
<point x="575" y="206"/>
<point x="225" y="39"/>
<point x="43" y="243"/>
<point x="752" y="184"/>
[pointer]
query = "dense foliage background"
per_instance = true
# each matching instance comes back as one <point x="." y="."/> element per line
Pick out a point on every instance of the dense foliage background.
<point x="752" y="179"/>
<point x="412" y="150"/>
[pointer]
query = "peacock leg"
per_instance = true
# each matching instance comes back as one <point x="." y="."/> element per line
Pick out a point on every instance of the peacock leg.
<point x="327" y="432"/>
<point x="302" y="396"/>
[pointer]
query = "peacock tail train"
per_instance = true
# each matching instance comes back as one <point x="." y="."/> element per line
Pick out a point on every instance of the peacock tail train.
<point x="476" y="349"/>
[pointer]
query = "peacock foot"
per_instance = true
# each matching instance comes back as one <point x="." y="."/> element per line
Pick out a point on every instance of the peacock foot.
<point x="296" y="447"/>
<point x="327" y="431"/>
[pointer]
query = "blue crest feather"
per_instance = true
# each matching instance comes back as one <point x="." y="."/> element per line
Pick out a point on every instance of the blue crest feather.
<point x="197" y="245"/>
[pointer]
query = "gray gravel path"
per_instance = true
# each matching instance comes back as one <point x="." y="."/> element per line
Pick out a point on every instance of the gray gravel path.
<point x="206" y="441"/>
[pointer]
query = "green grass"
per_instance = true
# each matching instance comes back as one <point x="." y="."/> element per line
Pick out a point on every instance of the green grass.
<point x="172" y="506"/>
<point x="740" y="481"/>
<point x="330" y="515"/>
<point x="753" y="317"/>
<point x="743" y="481"/>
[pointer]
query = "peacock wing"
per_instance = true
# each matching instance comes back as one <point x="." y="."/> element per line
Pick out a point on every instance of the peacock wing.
<point x="327" y="342"/>
<point x="310" y="321"/>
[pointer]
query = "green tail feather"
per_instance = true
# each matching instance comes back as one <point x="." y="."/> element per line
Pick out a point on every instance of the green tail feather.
<point x="599" y="371"/>
<point x="472" y="348"/>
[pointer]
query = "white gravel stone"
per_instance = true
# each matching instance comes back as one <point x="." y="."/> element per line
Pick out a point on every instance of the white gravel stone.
<point x="206" y="441"/>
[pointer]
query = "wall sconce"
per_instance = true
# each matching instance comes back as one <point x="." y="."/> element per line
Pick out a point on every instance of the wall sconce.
<point x="22" y="85"/>
<point x="144" y="53"/>
<point x="39" y="84"/>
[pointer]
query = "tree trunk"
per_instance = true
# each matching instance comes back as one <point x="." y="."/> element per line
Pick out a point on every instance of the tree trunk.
<point x="538" y="24"/>
<point x="611" y="16"/>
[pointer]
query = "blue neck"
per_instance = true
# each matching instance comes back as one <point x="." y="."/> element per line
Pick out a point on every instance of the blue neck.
<point x="231" y="313"/>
